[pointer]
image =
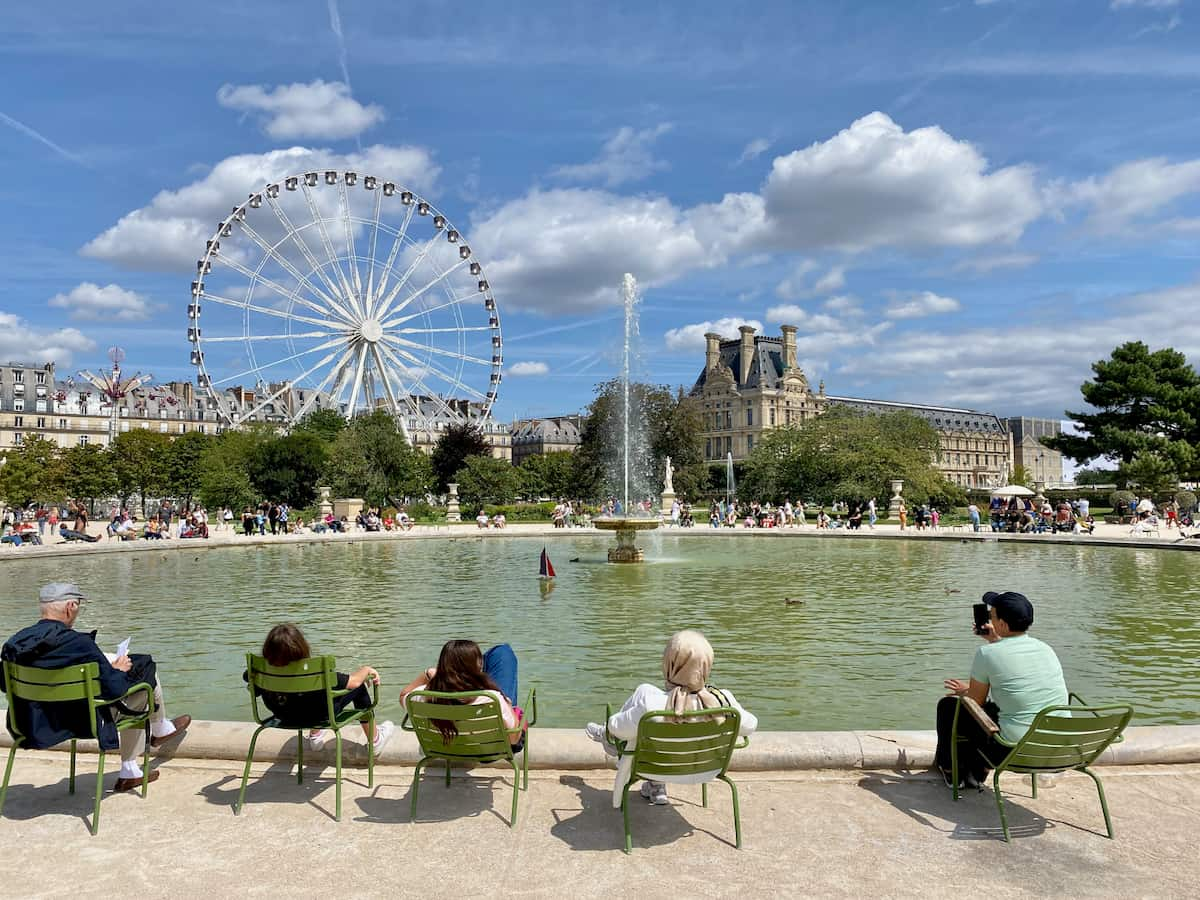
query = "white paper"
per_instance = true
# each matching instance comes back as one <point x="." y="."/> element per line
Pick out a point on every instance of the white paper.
<point x="123" y="647"/>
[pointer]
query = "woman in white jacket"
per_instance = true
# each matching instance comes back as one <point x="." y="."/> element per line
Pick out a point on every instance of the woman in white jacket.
<point x="687" y="662"/>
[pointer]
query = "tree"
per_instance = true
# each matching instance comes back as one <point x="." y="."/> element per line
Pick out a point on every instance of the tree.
<point x="1151" y="473"/>
<point x="457" y="443"/>
<point x="182" y="464"/>
<point x="225" y="467"/>
<point x="88" y="473"/>
<point x="326" y="424"/>
<point x="484" y="480"/>
<point x="286" y="469"/>
<point x="139" y="463"/>
<point x="1021" y="475"/>
<point x="31" y="473"/>
<point x="1144" y="401"/>
<point x="372" y="460"/>
<point x="1095" y="476"/>
<point x="548" y="475"/>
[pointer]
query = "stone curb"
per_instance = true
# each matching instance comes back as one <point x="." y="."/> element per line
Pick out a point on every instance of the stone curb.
<point x="569" y="748"/>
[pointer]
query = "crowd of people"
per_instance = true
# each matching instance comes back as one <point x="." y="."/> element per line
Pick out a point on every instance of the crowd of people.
<point x="851" y="516"/>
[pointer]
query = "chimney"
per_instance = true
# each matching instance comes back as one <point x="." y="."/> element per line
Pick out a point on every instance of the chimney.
<point x="712" y="350"/>
<point x="747" y="354"/>
<point x="789" y="346"/>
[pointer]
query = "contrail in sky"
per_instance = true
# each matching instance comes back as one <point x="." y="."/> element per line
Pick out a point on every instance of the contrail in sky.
<point x="335" y="22"/>
<point x="37" y="136"/>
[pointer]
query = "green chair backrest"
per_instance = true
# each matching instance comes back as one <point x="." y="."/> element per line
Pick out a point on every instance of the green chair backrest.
<point x="667" y="746"/>
<point x="1066" y="737"/>
<point x="481" y="732"/>
<point x="317" y="673"/>
<point x="72" y="684"/>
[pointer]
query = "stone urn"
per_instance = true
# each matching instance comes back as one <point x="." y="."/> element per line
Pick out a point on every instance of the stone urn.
<point x="453" y="514"/>
<point x="894" y="502"/>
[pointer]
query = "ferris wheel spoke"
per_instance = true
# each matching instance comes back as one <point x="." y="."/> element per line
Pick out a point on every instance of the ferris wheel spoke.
<point x="374" y="243"/>
<point x="315" y="394"/>
<point x="440" y="330"/>
<point x="397" y="243"/>
<point x="417" y="381"/>
<point x="380" y="309"/>
<point x="358" y="377"/>
<point x="433" y="283"/>
<point x="330" y="253"/>
<point x="453" y="301"/>
<point x="352" y="257"/>
<point x="257" y="370"/>
<point x="301" y="278"/>
<point x="270" y="337"/>
<point x="386" y="376"/>
<point x="290" y="296"/>
<point x="267" y="311"/>
<point x="289" y="384"/>
<point x="403" y="342"/>
<point x="304" y="249"/>
<point x="439" y="372"/>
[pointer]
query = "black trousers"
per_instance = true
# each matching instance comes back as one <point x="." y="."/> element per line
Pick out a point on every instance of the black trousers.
<point x="973" y="740"/>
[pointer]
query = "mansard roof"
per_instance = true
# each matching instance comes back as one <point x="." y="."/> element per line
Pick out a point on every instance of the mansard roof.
<point x="943" y="418"/>
<point x="766" y="365"/>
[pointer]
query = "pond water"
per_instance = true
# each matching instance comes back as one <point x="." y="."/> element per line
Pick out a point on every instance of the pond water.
<point x="878" y="631"/>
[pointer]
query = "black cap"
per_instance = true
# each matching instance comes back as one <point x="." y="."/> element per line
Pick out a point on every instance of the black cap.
<point x="1012" y="608"/>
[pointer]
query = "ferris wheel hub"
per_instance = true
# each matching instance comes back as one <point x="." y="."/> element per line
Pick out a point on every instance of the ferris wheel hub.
<point x="371" y="330"/>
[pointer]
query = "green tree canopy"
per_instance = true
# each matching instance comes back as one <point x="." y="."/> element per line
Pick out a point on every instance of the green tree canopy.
<point x="225" y="468"/>
<point x="182" y="464"/>
<point x="483" y="480"/>
<point x="139" y="462"/>
<point x="548" y="475"/>
<point x="456" y="444"/>
<point x="846" y="455"/>
<point x="372" y="460"/>
<point x="326" y="424"/>
<point x="88" y="473"/>
<point x="31" y="473"/>
<point x="286" y="469"/>
<point x="1151" y="473"/>
<point x="1096" y="476"/>
<point x="1143" y="400"/>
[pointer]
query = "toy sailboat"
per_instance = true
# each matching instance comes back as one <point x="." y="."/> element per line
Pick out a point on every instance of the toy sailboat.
<point x="545" y="567"/>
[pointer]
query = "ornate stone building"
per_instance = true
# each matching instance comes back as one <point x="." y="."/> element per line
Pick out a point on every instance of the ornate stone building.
<point x="1042" y="463"/>
<point x="754" y="384"/>
<point x="554" y="434"/>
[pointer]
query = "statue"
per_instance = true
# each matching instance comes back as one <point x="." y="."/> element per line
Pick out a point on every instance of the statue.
<point x="669" y="488"/>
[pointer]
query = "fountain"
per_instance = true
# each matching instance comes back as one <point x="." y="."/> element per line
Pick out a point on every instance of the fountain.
<point x="626" y="524"/>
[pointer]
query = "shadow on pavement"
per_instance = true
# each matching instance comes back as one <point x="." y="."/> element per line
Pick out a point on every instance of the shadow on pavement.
<point x="930" y="803"/>
<point x="278" y="785"/>
<point x="597" y="826"/>
<point x="468" y="796"/>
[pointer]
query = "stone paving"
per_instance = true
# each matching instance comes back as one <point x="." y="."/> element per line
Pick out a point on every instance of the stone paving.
<point x="807" y="834"/>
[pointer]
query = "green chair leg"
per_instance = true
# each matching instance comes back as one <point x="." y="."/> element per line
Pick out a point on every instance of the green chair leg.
<point x="146" y="762"/>
<point x="371" y="753"/>
<point x="525" y="764"/>
<point x="412" y="813"/>
<point x="512" y="821"/>
<point x="1000" y="803"/>
<point x="7" y="774"/>
<point x="625" y="813"/>
<point x="71" y="780"/>
<point x="237" y="807"/>
<point x="704" y="795"/>
<point x="1033" y="784"/>
<point x="337" y="789"/>
<point x="99" y="794"/>
<point x="1103" y="801"/>
<point x="737" y="812"/>
<point x="299" y="757"/>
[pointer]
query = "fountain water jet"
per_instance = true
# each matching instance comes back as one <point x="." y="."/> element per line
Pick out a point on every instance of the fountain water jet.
<point x="627" y="525"/>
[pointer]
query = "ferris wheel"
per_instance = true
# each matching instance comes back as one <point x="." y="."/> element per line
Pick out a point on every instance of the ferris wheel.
<point x="341" y="290"/>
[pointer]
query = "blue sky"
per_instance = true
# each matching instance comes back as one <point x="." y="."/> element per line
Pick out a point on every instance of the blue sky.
<point x="960" y="203"/>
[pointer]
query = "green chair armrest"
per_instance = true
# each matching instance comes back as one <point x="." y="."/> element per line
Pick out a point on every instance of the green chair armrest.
<point x="374" y="694"/>
<point x="743" y="742"/>
<point x="530" y="709"/>
<point x="617" y="743"/>
<point x="133" y="689"/>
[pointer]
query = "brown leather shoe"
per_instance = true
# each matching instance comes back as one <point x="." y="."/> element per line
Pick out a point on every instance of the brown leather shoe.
<point x="181" y="723"/>
<point x="133" y="784"/>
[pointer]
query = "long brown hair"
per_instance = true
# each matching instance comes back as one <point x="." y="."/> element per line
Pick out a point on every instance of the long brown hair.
<point x="285" y="644"/>
<point x="459" y="668"/>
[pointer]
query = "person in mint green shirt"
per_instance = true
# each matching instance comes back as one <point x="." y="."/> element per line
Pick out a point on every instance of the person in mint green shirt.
<point x="1013" y="677"/>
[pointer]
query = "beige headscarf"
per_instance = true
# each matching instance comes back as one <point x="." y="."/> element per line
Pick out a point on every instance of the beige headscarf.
<point x="687" y="661"/>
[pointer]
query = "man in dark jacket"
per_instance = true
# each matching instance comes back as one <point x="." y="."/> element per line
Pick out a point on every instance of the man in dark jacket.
<point x="52" y="643"/>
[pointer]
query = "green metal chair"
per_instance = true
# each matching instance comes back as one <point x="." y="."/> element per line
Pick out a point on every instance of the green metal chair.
<point x="317" y="673"/>
<point x="73" y="684"/>
<point x="1061" y="738"/>
<point x="668" y="750"/>
<point x="482" y="737"/>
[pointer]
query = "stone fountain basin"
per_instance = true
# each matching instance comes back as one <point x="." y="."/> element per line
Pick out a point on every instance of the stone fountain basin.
<point x="640" y="523"/>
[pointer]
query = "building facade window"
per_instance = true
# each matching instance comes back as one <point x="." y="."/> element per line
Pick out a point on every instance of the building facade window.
<point x="83" y="440"/>
<point x="18" y="421"/>
<point x="40" y="377"/>
<point x="41" y="422"/>
<point x="708" y="448"/>
<point x="63" y="425"/>
<point x="749" y="443"/>
<point x="18" y="404"/>
<point x="18" y="376"/>
<point x="749" y="417"/>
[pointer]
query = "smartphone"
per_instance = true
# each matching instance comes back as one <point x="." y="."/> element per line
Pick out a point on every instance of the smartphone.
<point x="982" y="617"/>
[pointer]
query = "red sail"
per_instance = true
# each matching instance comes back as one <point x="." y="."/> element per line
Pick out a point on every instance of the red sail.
<point x="545" y="570"/>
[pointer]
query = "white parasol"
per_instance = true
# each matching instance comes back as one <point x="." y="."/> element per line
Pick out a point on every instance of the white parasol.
<point x="1012" y="490"/>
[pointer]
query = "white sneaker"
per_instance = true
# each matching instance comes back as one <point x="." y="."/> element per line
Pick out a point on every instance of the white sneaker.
<point x="595" y="731"/>
<point x="316" y="739"/>
<point x="655" y="792"/>
<point x="383" y="734"/>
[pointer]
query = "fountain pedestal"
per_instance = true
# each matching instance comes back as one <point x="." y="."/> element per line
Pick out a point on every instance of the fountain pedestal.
<point x="668" y="500"/>
<point x="626" y="551"/>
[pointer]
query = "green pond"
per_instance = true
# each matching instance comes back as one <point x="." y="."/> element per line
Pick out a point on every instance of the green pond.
<point x="883" y="622"/>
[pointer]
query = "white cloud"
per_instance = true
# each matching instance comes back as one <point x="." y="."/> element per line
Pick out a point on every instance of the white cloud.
<point x="795" y="284"/>
<point x="985" y="264"/>
<point x="1128" y="194"/>
<point x="288" y="112"/>
<point x="627" y="156"/>
<point x="844" y="304"/>
<point x="691" y="337"/>
<point x="1148" y="4"/>
<point x="874" y="184"/>
<point x="833" y="280"/>
<point x="90" y="302"/>
<point x="168" y="234"/>
<point x="528" y="368"/>
<point x="753" y="150"/>
<point x="790" y="314"/>
<point x="925" y="303"/>
<point x="21" y="341"/>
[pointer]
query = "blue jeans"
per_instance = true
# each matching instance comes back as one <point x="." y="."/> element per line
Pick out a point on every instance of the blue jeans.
<point x="500" y="664"/>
